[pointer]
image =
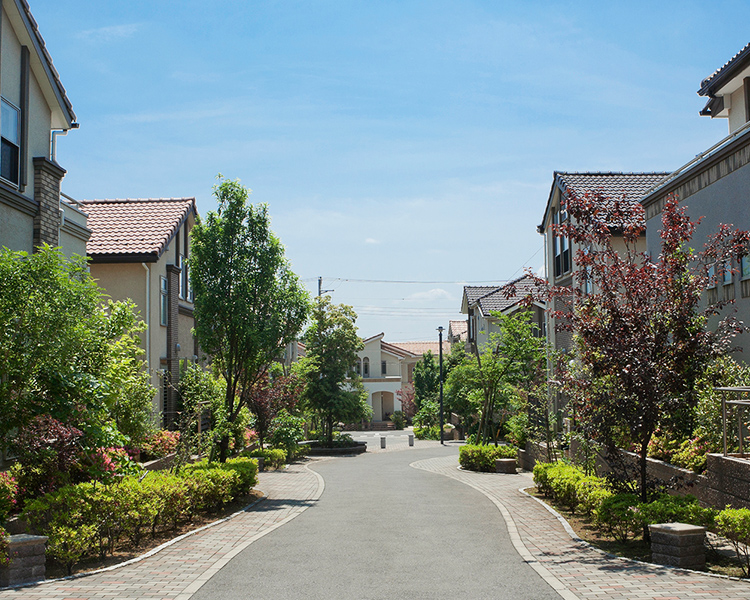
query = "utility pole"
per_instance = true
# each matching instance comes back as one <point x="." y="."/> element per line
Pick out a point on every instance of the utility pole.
<point x="321" y="291"/>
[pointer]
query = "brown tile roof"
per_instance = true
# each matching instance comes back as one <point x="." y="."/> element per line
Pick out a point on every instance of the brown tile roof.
<point x="714" y="81"/>
<point x="499" y="301"/>
<point x="142" y="226"/>
<point x="631" y="186"/>
<point x="419" y="348"/>
<point x="474" y="292"/>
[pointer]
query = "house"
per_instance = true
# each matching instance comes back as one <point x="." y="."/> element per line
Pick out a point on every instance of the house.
<point x="714" y="185"/>
<point x="559" y="256"/>
<point x="387" y="369"/>
<point x="138" y="250"/>
<point x="480" y="302"/>
<point x="34" y="109"/>
<point x="458" y="332"/>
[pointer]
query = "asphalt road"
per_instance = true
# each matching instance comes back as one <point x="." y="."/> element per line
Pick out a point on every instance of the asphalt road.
<point x="384" y="530"/>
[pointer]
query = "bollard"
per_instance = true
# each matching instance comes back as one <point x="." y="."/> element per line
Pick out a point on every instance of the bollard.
<point x="411" y="439"/>
<point x="382" y="442"/>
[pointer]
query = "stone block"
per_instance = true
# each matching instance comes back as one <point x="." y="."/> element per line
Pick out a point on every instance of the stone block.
<point x="505" y="465"/>
<point x="659" y="537"/>
<point x="680" y="551"/>
<point x="685" y="562"/>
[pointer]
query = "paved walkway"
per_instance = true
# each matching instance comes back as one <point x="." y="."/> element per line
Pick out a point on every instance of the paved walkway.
<point x="178" y="571"/>
<point x="573" y="569"/>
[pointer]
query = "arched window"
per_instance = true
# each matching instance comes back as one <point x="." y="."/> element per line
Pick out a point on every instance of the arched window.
<point x="365" y="367"/>
<point x="358" y="366"/>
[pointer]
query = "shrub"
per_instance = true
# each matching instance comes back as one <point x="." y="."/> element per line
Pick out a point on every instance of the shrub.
<point x="8" y="492"/>
<point x="621" y="515"/>
<point x="398" y="419"/>
<point x="209" y="487"/>
<point x="427" y="433"/>
<point x="68" y="545"/>
<point x="4" y="545"/>
<point x="482" y="458"/>
<point x="563" y="481"/>
<point x="517" y="429"/>
<point x="47" y="451"/>
<point x="275" y="458"/>
<point x="734" y="524"/>
<point x="286" y="432"/>
<point x="591" y="492"/>
<point x="246" y="470"/>
<point x="692" y="455"/>
<point x="541" y="477"/>
<point x="161" y="444"/>
<point x="677" y="509"/>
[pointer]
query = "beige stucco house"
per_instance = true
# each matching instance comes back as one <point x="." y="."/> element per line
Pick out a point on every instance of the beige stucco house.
<point x="34" y="109"/>
<point x="138" y="250"/>
<point x="560" y="252"/>
<point x="714" y="184"/>
<point x="386" y="368"/>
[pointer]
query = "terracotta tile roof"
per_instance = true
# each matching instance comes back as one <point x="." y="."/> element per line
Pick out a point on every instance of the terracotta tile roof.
<point x="499" y="301"/>
<point x="631" y="186"/>
<point x="709" y="84"/>
<point x="419" y="348"/>
<point x="458" y="328"/>
<point x="134" y="226"/>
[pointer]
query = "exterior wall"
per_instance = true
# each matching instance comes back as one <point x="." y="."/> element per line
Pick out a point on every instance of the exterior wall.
<point x="737" y="109"/>
<point x="73" y="230"/>
<point x="381" y="390"/>
<point x="17" y="227"/>
<point x="720" y="196"/>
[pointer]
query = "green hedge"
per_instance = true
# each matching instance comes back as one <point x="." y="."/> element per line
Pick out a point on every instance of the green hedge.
<point x="482" y="458"/>
<point x="275" y="458"/>
<point x="91" y="518"/>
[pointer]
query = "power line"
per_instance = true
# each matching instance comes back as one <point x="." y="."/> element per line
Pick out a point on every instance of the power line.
<point x="463" y="282"/>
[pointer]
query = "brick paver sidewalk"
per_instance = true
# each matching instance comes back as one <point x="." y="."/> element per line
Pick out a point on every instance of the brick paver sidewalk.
<point x="576" y="570"/>
<point x="177" y="571"/>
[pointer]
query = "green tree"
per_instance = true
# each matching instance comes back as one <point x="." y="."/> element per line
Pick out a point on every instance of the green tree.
<point x="426" y="379"/>
<point x="248" y="303"/>
<point x="333" y="390"/>
<point x="65" y="354"/>
<point x="487" y="383"/>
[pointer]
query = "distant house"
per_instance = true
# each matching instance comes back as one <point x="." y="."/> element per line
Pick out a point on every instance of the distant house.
<point x="34" y="109"/>
<point x="480" y="302"/>
<point x="458" y="332"/>
<point x="714" y="185"/>
<point x="386" y="368"/>
<point x="559" y="251"/>
<point x="138" y="250"/>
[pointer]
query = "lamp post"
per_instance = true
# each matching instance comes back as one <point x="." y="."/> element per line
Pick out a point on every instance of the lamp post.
<point x="440" y="334"/>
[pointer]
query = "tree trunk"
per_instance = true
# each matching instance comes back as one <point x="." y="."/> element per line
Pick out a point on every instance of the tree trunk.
<point x="224" y="449"/>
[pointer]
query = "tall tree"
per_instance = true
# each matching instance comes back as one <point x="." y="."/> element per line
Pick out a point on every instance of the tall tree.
<point x="426" y="379"/>
<point x="248" y="303"/>
<point x="486" y="382"/>
<point x="641" y="335"/>
<point x="333" y="388"/>
<point x="66" y="354"/>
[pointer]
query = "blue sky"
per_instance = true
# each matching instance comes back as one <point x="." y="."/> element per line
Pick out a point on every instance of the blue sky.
<point x="392" y="140"/>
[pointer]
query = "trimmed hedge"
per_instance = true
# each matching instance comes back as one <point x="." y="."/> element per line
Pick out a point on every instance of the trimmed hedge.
<point x="482" y="458"/>
<point x="275" y="457"/>
<point x="91" y="518"/>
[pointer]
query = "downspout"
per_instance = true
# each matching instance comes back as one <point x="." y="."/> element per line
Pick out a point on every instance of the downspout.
<point x="148" y="315"/>
<point x="53" y="140"/>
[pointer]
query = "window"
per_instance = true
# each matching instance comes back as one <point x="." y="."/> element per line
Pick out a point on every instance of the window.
<point x="365" y="367"/>
<point x="163" y="301"/>
<point x="10" y="141"/>
<point x="183" y="269"/>
<point x="726" y="274"/>
<point x="358" y="367"/>
<point x="383" y="368"/>
<point x="560" y="243"/>
<point x="711" y="274"/>
<point x="745" y="267"/>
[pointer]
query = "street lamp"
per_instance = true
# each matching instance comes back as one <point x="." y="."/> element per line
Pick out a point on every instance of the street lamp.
<point x="440" y="334"/>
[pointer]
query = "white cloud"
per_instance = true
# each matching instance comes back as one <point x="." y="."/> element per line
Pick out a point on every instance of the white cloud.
<point x="110" y="33"/>
<point x="431" y="295"/>
<point x="372" y="241"/>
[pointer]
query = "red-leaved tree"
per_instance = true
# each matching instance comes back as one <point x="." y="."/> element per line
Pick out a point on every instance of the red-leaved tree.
<point x="266" y="398"/>
<point x="641" y="333"/>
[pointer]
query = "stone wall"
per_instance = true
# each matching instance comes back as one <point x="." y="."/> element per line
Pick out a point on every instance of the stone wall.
<point x="27" y="560"/>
